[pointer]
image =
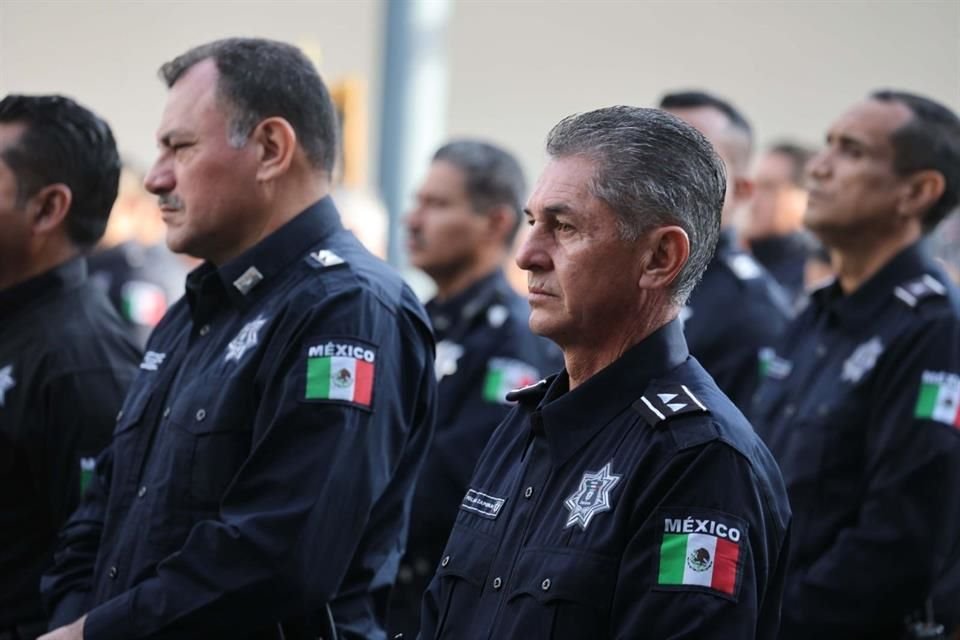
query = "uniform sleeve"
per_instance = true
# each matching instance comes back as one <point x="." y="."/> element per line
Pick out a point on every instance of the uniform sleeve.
<point x="709" y="563"/>
<point x="292" y="518"/>
<point x="66" y="586"/>
<point x="79" y="410"/>
<point x="908" y="519"/>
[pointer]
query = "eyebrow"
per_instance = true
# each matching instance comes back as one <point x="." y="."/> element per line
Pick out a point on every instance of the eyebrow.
<point x="553" y="210"/>
<point x="168" y="136"/>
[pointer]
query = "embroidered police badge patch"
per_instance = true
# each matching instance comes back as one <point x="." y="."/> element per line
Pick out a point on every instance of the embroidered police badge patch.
<point x="6" y="382"/>
<point x="245" y="340"/>
<point x="591" y="497"/>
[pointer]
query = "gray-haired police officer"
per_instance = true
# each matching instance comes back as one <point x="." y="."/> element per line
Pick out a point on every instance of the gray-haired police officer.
<point x="263" y="464"/>
<point x="625" y="497"/>
<point x="860" y="403"/>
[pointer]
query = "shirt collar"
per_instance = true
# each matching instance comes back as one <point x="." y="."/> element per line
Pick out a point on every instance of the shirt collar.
<point x="464" y="306"/>
<point x="571" y="418"/>
<point x="247" y="276"/>
<point x="863" y="304"/>
<point x="67" y="275"/>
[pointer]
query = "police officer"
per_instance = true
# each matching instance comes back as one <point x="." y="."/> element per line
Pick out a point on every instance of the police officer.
<point x="65" y="362"/>
<point x="625" y="497"/>
<point x="466" y="215"/>
<point x="738" y="309"/>
<point x="773" y="224"/>
<point x="860" y="404"/>
<point x="263" y="462"/>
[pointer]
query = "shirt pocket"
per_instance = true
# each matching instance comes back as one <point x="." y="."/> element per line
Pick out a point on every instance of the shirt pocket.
<point x="462" y="573"/>
<point x="129" y="443"/>
<point x="561" y="594"/>
<point x="208" y="448"/>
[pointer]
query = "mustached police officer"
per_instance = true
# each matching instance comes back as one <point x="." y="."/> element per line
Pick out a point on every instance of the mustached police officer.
<point x="64" y="361"/>
<point x="625" y="497"/>
<point x="263" y="464"/>
<point x="860" y="403"/>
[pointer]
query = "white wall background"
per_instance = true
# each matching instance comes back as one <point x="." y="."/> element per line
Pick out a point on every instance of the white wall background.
<point x="517" y="66"/>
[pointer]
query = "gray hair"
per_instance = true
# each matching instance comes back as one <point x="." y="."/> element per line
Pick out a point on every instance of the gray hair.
<point x="261" y="79"/>
<point x="492" y="177"/>
<point x="653" y="170"/>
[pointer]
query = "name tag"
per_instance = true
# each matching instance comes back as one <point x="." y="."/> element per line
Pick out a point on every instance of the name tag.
<point x="482" y="504"/>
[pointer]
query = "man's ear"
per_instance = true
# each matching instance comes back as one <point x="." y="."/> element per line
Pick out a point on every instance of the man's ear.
<point x="667" y="251"/>
<point x="920" y="191"/>
<point x="743" y="189"/>
<point x="501" y="221"/>
<point x="48" y="208"/>
<point x="276" y="143"/>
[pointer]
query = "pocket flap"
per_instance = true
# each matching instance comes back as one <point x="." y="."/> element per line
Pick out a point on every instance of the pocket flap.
<point x="566" y="574"/>
<point x="467" y="556"/>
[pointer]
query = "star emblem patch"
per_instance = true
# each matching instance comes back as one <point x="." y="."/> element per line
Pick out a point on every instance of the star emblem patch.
<point x="591" y="498"/>
<point x="246" y="339"/>
<point x="862" y="360"/>
<point x="6" y="382"/>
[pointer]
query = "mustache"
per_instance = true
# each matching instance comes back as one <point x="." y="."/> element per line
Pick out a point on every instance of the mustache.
<point x="169" y="201"/>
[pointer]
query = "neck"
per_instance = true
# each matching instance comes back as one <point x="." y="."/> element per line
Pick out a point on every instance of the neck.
<point x="455" y="282"/>
<point x="856" y="264"/>
<point x="43" y="260"/>
<point x="584" y="360"/>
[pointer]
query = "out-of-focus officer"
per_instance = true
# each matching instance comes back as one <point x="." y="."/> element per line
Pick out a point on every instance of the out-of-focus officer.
<point x="861" y="403"/>
<point x="263" y="464"/>
<point x="467" y="212"/>
<point x="625" y="497"/>
<point x="738" y="309"/>
<point x="773" y="223"/>
<point x="65" y="362"/>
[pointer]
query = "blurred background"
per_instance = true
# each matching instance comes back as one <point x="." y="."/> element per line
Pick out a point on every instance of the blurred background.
<point x="408" y="74"/>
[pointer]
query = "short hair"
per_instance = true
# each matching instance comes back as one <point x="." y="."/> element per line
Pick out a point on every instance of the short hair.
<point x="64" y="143"/>
<point x="492" y="177"/>
<point x="798" y="155"/>
<point x="261" y="79"/>
<point x="702" y="99"/>
<point x="929" y="140"/>
<point x="652" y="169"/>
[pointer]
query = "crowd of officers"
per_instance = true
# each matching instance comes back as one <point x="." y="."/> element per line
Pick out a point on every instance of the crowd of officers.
<point x="728" y="406"/>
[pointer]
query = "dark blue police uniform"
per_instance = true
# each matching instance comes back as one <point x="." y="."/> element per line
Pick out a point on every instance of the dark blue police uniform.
<point x="736" y="310"/>
<point x="263" y="462"/>
<point x="639" y="505"/>
<point x="859" y="406"/>
<point x="485" y="348"/>
<point x="65" y="365"/>
<point x="785" y="258"/>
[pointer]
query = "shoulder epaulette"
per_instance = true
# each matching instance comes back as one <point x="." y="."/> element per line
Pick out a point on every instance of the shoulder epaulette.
<point x="744" y="266"/>
<point x="324" y="258"/>
<point x="661" y="402"/>
<point x="534" y="391"/>
<point x="916" y="291"/>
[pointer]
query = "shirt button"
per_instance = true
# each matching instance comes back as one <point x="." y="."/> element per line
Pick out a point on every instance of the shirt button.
<point x="201" y="414"/>
<point x="545" y="585"/>
<point x="528" y="493"/>
<point x="821" y="350"/>
<point x="120" y="415"/>
<point x="112" y="573"/>
<point x="205" y="329"/>
<point x="166" y="412"/>
<point x="445" y="561"/>
<point x="788" y="410"/>
<point x="497" y="583"/>
<point x="142" y="491"/>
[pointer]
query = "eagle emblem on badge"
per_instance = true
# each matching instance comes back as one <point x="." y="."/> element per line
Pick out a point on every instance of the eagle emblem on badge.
<point x="591" y="497"/>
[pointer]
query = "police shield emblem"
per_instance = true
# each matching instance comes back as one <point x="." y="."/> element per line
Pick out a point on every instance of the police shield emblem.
<point x="591" y="497"/>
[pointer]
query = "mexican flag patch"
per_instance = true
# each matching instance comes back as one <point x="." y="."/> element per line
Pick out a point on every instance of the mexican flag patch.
<point x="341" y="370"/>
<point x="504" y="375"/>
<point x="701" y="553"/>
<point x="939" y="397"/>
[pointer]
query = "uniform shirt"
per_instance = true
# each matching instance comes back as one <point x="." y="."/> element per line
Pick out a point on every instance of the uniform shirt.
<point x="638" y="505"/>
<point x="785" y="258"/>
<point x="141" y="282"/>
<point x="65" y="364"/>
<point x="859" y="406"/>
<point x="264" y="459"/>
<point x="735" y="311"/>
<point x="485" y="348"/>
